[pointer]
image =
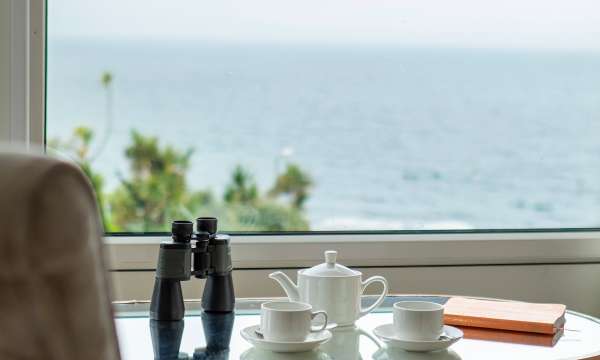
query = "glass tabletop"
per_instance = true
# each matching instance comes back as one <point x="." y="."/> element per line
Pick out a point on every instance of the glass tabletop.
<point x="217" y="337"/>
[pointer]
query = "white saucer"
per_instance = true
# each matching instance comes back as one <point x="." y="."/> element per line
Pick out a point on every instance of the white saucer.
<point x="387" y="334"/>
<point x="330" y="326"/>
<point x="312" y="341"/>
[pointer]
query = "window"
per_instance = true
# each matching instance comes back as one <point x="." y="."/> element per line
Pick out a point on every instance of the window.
<point x="338" y="115"/>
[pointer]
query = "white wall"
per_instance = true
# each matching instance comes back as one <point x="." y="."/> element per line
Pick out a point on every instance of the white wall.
<point x="4" y="69"/>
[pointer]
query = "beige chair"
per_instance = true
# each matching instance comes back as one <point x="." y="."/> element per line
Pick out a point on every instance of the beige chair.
<point x="54" y="291"/>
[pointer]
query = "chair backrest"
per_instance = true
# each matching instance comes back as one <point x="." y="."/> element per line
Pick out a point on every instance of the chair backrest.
<point x="54" y="290"/>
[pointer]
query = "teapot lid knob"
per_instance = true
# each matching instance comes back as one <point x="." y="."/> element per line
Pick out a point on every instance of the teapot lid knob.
<point x="330" y="257"/>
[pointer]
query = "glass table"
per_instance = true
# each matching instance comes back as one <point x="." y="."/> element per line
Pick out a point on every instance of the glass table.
<point x="217" y="337"/>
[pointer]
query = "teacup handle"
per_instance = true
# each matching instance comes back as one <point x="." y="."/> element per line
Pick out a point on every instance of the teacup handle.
<point x="369" y="281"/>
<point x="313" y="316"/>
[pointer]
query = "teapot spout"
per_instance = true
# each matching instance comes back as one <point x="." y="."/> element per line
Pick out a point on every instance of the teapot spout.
<point x="291" y="289"/>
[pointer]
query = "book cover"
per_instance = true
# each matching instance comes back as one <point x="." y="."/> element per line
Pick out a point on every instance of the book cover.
<point x="514" y="337"/>
<point x="505" y="315"/>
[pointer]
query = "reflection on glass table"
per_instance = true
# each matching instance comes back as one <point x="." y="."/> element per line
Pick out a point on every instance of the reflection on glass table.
<point x="207" y="336"/>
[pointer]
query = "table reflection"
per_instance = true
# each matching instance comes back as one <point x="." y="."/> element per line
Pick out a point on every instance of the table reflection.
<point x="256" y="354"/>
<point x="166" y="338"/>
<point x="399" y="354"/>
<point x="217" y="328"/>
<point x="217" y="336"/>
<point x="345" y="343"/>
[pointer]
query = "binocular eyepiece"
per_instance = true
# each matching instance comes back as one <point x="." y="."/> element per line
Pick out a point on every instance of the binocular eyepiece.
<point x="183" y="230"/>
<point x="203" y="254"/>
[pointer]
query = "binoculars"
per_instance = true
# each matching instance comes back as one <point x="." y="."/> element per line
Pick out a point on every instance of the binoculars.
<point x="203" y="254"/>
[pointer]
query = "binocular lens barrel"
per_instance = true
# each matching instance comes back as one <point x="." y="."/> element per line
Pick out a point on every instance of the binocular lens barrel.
<point x="206" y="224"/>
<point x="181" y="231"/>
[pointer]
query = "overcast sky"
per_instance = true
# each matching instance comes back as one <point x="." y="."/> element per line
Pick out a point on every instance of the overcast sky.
<point x="465" y="23"/>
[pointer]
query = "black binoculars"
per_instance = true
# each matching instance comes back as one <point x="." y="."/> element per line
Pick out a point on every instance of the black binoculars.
<point x="203" y="254"/>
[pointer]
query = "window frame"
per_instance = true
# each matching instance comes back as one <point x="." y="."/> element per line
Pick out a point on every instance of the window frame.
<point x="422" y="249"/>
<point x="26" y="120"/>
<point x="293" y="250"/>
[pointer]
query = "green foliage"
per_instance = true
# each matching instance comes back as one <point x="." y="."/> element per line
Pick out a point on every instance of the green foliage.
<point x="293" y="182"/>
<point x="156" y="192"/>
<point x="263" y="216"/>
<point x="78" y="146"/>
<point x="106" y="79"/>
<point x="247" y="210"/>
<point x="242" y="189"/>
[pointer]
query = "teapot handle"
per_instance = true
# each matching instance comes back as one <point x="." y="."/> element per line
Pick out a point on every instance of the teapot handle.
<point x="369" y="281"/>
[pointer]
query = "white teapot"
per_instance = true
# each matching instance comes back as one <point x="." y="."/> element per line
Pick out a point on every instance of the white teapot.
<point x="333" y="288"/>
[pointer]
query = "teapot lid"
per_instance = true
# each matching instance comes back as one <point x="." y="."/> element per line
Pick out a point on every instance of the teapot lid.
<point x="330" y="267"/>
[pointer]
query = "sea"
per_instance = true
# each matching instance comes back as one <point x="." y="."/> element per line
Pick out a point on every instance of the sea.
<point x="394" y="137"/>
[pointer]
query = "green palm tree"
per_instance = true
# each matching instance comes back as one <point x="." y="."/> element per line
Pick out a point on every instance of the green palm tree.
<point x="106" y="80"/>
<point x="155" y="190"/>
<point x="295" y="182"/>
<point x="242" y="189"/>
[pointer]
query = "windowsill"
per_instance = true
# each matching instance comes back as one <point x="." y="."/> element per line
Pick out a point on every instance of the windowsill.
<point x="381" y="250"/>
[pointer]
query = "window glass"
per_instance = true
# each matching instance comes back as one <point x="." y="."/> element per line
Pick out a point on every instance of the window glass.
<point x="330" y="115"/>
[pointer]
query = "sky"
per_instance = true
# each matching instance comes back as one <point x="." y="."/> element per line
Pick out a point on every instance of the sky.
<point x="551" y="24"/>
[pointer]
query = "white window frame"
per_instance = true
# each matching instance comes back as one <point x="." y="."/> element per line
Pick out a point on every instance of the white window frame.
<point x="383" y="250"/>
<point x="27" y="124"/>
<point x="25" y="120"/>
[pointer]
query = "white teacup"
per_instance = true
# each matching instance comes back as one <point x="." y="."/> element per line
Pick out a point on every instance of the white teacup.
<point x="288" y="320"/>
<point x="418" y="320"/>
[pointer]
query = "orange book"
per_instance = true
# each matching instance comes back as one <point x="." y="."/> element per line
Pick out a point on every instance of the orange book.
<point x="515" y="337"/>
<point x="505" y="315"/>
